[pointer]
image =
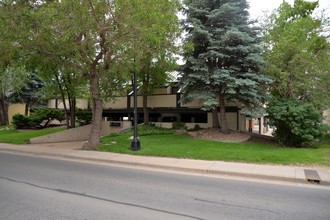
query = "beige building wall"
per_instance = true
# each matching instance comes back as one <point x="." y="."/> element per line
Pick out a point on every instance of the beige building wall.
<point x="153" y="102"/>
<point x="117" y="103"/>
<point x="162" y="101"/>
<point x="195" y="103"/>
<point x="161" y="91"/>
<point x="139" y="101"/>
<point x="231" y="120"/>
<point x="156" y="101"/>
<point x="14" y="109"/>
<point x="81" y="103"/>
<point x="326" y="115"/>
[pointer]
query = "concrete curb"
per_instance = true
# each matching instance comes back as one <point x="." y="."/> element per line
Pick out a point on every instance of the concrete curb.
<point x="252" y="171"/>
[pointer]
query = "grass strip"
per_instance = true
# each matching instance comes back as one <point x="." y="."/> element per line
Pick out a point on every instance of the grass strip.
<point x="22" y="137"/>
<point x="168" y="144"/>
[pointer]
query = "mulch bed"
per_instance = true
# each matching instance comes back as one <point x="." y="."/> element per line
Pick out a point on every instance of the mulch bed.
<point x="214" y="134"/>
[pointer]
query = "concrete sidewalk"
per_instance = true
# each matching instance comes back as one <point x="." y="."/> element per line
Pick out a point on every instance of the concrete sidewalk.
<point x="72" y="150"/>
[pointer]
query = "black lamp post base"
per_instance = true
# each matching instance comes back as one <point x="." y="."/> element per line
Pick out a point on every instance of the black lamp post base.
<point x="135" y="145"/>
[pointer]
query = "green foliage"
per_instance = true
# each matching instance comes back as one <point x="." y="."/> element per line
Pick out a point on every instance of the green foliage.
<point x="196" y="127"/>
<point x="154" y="27"/>
<point x="50" y="113"/>
<point x="84" y="116"/>
<point x="37" y="117"/>
<point x="143" y="130"/>
<point x="22" y="137"/>
<point x="297" y="123"/>
<point x="72" y="43"/>
<point x="30" y="92"/>
<point x="179" y="125"/>
<point x="21" y="121"/>
<point x="325" y="140"/>
<point x="297" y="53"/>
<point x="182" y="146"/>
<point x="11" y="80"/>
<point x="152" y="130"/>
<point x="225" y="63"/>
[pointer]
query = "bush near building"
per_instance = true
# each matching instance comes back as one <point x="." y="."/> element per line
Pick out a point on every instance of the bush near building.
<point x="40" y="118"/>
<point x="297" y="123"/>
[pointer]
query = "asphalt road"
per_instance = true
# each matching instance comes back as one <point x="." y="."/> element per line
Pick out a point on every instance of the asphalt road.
<point x="42" y="188"/>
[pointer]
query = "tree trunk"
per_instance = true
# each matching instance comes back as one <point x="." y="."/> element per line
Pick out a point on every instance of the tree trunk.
<point x="73" y="112"/>
<point x="47" y="123"/>
<point x="145" y="109"/>
<point x="63" y="100"/>
<point x="97" y="109"/>
<point x="215" y="118"/>
<point x="27" y="106"/>
<point x="72" y="102"/>
<point x="223" y="119"/>
<point x="3" y="111"/>
<point x="72" y="107"/>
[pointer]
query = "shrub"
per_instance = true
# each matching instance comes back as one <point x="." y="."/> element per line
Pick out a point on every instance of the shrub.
<point x="145" y="130"/>
<point x="84" y="117"/>
<point x="296" y="123"/>
<point x="179" y="125"/>
<point x="50" y="113"/>
<point x="37" y="117"/>
<point x="197" y="127"/>
<point x="35" y="120"/>
<point x="21" y="121"/>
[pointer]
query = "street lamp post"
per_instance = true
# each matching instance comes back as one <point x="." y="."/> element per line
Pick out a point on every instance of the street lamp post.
<point x="135" y="145"/>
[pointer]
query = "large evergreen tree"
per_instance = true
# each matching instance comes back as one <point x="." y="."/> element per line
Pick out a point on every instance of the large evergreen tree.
<point x="223" y="56"/>
<point x="30" y="94"/>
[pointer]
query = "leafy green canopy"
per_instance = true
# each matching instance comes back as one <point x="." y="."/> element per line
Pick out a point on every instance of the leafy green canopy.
<point x="153" y="28"/>
<point x="297" y="53"/>
<point x="297" y="123"/>
<point x="223" y="55"/>
<point x="37" y="117"/>
<point x="89" y="41"/>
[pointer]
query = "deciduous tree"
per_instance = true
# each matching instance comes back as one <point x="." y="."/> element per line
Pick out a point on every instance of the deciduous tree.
<point x="12" y="70"/>
<point x="297" y="55"/>
<point x="154" y="28"/>
<point x="89" y="39"/>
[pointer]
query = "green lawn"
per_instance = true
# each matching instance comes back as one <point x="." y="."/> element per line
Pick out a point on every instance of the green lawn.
<point x="167" y="144"/>
<point x="164" y="143"/>
<point x="22" y="137"/>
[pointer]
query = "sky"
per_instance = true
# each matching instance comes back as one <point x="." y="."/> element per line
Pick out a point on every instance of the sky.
<point x="257" y="7"/>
